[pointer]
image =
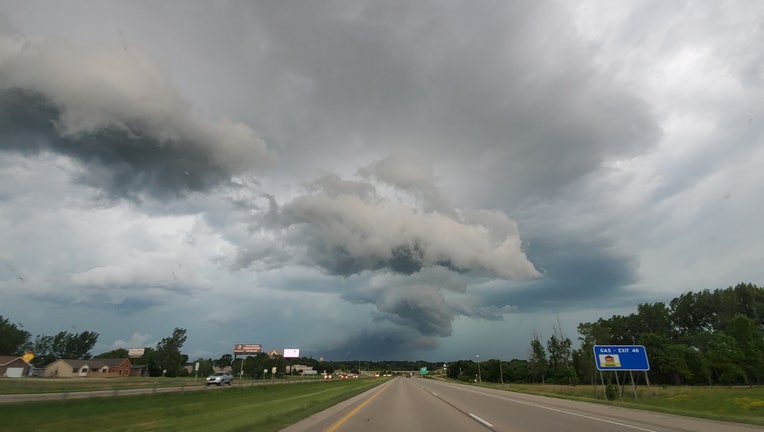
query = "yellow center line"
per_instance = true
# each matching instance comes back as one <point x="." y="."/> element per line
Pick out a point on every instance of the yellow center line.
<point x="358" y="408"/>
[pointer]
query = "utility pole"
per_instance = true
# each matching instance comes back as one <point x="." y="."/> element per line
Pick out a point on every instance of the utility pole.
<point x="478" y="361"/>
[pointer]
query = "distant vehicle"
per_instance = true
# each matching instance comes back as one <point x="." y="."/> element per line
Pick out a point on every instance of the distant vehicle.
<point x="220" y="378"/>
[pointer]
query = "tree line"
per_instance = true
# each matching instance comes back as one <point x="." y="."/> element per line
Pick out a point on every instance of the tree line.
<point x="706" y="337"/>
<point x="164" y="359"/>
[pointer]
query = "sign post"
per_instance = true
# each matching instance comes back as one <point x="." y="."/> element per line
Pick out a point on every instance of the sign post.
<point x="621" y="358"/>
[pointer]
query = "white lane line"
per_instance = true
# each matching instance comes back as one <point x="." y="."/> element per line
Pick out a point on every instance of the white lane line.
<point x="474" y="417"/>
<point x="570" y="413"/>
<point x="485" y="423"/>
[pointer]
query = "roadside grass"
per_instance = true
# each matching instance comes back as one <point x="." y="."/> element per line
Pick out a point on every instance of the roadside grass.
<point x="256" y="408"/>
<point x="61" y="385"/>
<point x="735" y="404"/>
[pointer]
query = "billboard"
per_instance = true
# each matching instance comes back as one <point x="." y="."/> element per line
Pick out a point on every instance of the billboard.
<point x="621" y="357"/>
<point x="135" y="352"/>
<point x="247" y="348"/>
<point x="291" y="352"/>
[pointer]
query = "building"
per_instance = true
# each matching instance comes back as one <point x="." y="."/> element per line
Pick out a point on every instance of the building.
<point x="303" y="369"/>
<point x="92" y="368"/>
<point x="12" y="366"/>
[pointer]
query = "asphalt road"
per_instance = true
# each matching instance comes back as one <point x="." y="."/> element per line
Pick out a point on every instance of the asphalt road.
<point x="414" y="404"/>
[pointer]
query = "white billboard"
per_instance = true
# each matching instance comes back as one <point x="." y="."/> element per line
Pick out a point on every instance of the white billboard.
<point x="291" y="352"/>
<point x="135" y="352"/>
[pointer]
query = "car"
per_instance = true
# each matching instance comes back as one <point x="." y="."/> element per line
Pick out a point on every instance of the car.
<point x="220" y="378"/>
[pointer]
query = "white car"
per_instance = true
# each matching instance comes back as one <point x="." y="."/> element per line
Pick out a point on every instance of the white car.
<point x="220" y="378"/>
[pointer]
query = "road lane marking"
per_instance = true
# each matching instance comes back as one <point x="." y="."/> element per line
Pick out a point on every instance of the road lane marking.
<point x="568" y="412"/>
<point x="358" y="408"/>
<point x="479" y="420"/>
<point x="473" y="416"/>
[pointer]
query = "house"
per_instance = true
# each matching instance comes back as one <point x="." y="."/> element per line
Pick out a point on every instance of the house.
<point x="139" y="370"/>
<point x="92" y="368"/>
<point x="12" y="366"/>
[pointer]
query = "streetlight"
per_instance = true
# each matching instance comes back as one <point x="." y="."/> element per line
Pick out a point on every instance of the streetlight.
<point x="478" y="360"/>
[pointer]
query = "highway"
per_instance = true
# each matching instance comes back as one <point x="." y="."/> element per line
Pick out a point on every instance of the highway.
<point x="415" y="404"/>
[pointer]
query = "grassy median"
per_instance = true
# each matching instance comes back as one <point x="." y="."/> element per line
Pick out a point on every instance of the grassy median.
<point x="260" y="408"/>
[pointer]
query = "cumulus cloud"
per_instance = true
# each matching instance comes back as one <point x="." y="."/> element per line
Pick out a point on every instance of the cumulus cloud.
<point x="347" y="227"/>
<point x="383" y="224"/>
<point x="410" y="175"/>
<point x="119" y="113"/>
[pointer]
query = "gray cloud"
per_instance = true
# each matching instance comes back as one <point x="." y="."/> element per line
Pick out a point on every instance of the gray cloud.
<point x="412" y="176"/>
<point x="415" y="302"/>
<point x="417" y="141"/>
<point x="380" y="344"/>
<point x="427" y="302"/>
<point x="346" y="229"/>
<point x="577" y="273"/>
<point x="517" y="109"/>
<point x="388" y="230"/>
<point x="118" y="114"/>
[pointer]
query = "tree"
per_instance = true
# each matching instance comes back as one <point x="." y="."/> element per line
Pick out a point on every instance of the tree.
<point x="224" y="361"/>
<point x="516" y="371"/>
<point x="117" y="353"/>
<point x="463" y="370"/>
<point x="559" y="348"/>
<point x="74" y="346"/>
<point x="668" y="361"/>
<point x="42" y="347"/>
<point x="537" y="362"/>
<point x="750" y="341"/>
<point x="205" y="367"/>
<point x="166" y="359"/>
<point x="63" y="345"/>
<point x="13" y="340"/>
<point x="726" y="358"/>
<point x="583" y="358"/>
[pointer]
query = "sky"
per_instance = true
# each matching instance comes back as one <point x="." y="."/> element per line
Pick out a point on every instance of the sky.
<point x="371" y="180"/>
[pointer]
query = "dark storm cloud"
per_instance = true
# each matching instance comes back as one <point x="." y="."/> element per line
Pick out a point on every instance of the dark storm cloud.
<point x="113" y="160"/>
<point x="128" y="140"/>
<point x="378" y="344"/>
<point x="416" y="302"/>
<point x="457" y="128"/>
<point x="577" y="273"/>
<point x="427" y="302"/>
<point x="519" y="102"/>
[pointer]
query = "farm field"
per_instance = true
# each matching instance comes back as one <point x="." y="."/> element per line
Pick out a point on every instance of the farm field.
<point x="261" y="408"/>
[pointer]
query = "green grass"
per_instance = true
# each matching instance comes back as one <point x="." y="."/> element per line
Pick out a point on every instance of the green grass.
<point x="260" y="408"/>
<point x="60" y="385"/>
<point x="736" y="404"/>
<point x="70" y="385"/>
